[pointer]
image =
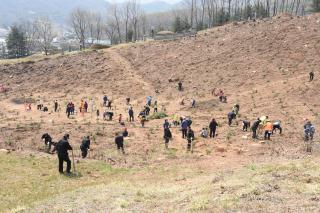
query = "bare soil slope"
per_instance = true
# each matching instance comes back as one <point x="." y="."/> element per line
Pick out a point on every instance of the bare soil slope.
<point x="262" y="65"/>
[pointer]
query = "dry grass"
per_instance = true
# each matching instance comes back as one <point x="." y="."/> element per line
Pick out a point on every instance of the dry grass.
<point x="39" y="187"/>
<point x="39" y="57"/>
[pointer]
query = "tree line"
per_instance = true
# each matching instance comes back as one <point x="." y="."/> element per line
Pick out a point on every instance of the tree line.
<point x="29" y="37"/>
<point x="128" y="22"/>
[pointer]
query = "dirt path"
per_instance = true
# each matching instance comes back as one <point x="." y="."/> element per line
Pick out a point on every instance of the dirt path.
<point x="126" y="65"/>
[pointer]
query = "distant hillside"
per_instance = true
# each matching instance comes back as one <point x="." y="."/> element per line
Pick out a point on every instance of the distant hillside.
<point x="58" y="10"/>
<point x="157" y="6"/>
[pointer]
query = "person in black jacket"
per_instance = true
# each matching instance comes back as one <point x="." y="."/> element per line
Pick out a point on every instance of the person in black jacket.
<point x="231" y="116"/>
<point x="147" y="110"/>
<point x="62" y="148"/>
<point x="125" y="133"/>
<point x="180" y="86"/>
<point x="105" y="99"/>
<point x="119" y="142"/>
<point x="131" y="115"/>
<point x="85" y="146"/>
<point x="190" y="138"/>
<point x="47" y="141"/>
<point x="245" y="125"/>
<point x="255" y="128"/>
<point x="213" y="126"/>
<point x="56" y="105"/>
<point x="311" y="76"/>
<point x="167" y="136"/>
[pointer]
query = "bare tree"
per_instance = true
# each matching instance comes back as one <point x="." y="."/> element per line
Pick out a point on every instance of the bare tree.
<point x="91" y="26"/>
<point x="99" y="27"/>
<point x="94" y="26"/>
<point x="30" y="32"/>
<point x="126" y="17"/>
<point x="44" y="34"/>
<point x="135" y="13"/>
<point x="111" y="29"/>
<point x="114" y="16"/>
<point x="79" y="24"/>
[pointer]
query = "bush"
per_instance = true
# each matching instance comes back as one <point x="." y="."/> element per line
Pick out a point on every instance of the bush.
<point x="99" y="46"/>
<point x="157" y="115"/>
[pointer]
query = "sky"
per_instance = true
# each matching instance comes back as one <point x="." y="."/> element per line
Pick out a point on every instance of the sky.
<point x="146" y="1"/>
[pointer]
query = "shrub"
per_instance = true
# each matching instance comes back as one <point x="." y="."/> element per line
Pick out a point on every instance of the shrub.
<point x="99" y="46"/>
<point x="157" y="115"/>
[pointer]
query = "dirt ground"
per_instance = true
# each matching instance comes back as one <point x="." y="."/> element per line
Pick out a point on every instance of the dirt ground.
<point x="263" y="66"/>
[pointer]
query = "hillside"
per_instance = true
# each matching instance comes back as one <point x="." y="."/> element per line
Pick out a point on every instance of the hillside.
<point x="262" y="65"/>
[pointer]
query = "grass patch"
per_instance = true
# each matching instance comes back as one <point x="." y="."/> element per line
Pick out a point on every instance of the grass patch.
<point x="28" y="179"/>
<point x="157" y="115"/>
<point x="199" y="205"/>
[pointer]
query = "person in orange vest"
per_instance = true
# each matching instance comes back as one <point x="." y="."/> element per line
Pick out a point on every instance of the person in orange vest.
<point x="268" y="130"/>
<point x="82" y="106"/>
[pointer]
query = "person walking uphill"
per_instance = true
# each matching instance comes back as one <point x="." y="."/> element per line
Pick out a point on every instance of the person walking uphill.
<point x="119" y="142"/>
<point x="85" y="146"/>
<point x="166" y="124"/>
<point x="190" y="138"/>
<point x="213" y="126"/>
<point x="231" y="116"/>
<point x="184" y="127"/>
<point x="62" y="148"/>
<point x="131" y="115"/>
<point x="167" y="137"/>
<point x="56" y="106"/>
<point x="180" y="86"/>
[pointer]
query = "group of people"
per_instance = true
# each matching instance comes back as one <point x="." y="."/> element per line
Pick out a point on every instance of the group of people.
<point x="107" y="102"/>
<point x="220" y="94"/>
<point x="261" y="125"/>
<point x="233" y="114"/>
<point x="63" y="146"/>
<point x="83" y="106"/>
<point x="187" y="133"/>
<point x="70" y="109"/>
<point x="211" y="130"/>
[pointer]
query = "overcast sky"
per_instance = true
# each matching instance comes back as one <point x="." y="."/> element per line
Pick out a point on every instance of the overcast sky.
<point x="146" y="1"/>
